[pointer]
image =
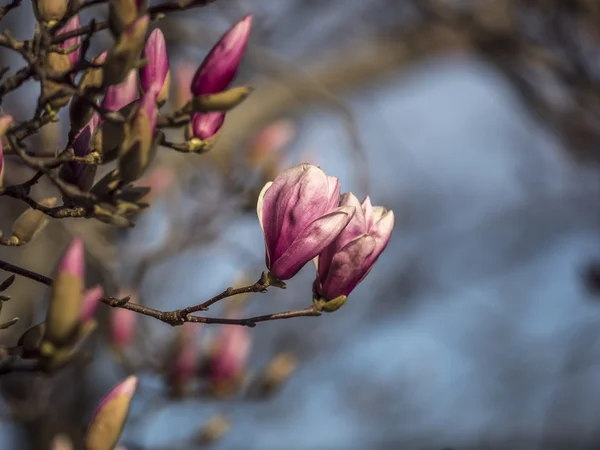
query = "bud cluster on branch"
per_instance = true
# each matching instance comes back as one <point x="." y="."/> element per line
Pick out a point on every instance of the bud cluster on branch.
<point x="114" y="102"/>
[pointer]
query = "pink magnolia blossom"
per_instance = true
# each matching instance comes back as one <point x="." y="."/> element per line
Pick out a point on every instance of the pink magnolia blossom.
<point x="81" y="145"/>
<point x="299" y="215"/>
<point x="350" y="257"/>
<point x="183" y="367"/>
<point x="154" y="73"/>
<point x="220" y="66"/>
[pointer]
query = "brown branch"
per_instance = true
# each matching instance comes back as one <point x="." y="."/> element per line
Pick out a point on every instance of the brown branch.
<point x="7" y="8"/>
<point x="181" y="316"/>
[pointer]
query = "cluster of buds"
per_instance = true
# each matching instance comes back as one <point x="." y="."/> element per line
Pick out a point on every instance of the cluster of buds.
<point x="303" y="218"/>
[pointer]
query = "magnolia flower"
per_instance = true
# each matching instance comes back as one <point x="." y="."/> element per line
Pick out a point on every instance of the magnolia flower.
<point x="299" y="215"/>
<point x="205" y="126"/>
<point x="110" y="416"/>
<point x="350" y="257"/>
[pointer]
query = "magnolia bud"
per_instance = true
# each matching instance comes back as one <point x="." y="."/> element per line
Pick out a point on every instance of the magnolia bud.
<point x="154" y="73"/>
<point x="122" y="13"/>
<point x="122" y="324"/>
<point x="92" y="78"/>
<point x="206" y="126"/>
<point x="163" y="95"/>
<point x="90" y="302"/>
<point x="124" y="55"/>
<point x="64" y="310"/>
<point x="68" y="44"/>
<point x="30" y="223"/>
<point x="138" y="148"/>
<point x="184" y="361"/>
<point x="110" y="416"/>
<point x="58" y="65"/>
<point x="50" y="11"/>
<point x="120" y="95"/>
<point x="5" y="122"/>
<point x="221" y="101"/>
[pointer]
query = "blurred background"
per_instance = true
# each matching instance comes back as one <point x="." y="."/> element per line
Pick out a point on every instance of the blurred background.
<point x="476" y="121"/>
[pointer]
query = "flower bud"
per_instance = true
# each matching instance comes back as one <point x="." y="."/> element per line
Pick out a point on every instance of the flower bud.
<point x="29" y="224"/>
<point x="138" y="148"/>
<point x="50" y="11"/>
<point x="122" y="324"/>
<point x="58" y="65"/>
<point x="90" y="302"/>
<point x="229" y="355"/>
<point x="72" y="25"/>
<point x="124" y="56"/>
<point x="122" y="13"/>
<point x="92" y="78"/>
<point x="184" y="362"/>
<point x="120" y="95"/>
<point x="206" y="126"/>
<point x="64" y="310"/>
<point x="221" y="101"/>
<point x="78" y="174"/>
<point x="299" y="216"/>
<point x="154" y="73"/>
<point x="110" y="416"/>
<point x="348" y="259"/>
<point x="184" y="74"/>
<point x="222" y="62"/>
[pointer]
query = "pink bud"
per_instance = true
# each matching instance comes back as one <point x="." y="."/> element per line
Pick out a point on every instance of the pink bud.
<point x="110" y="415"/>
<point x="148" y="104"/>
<point x="222" y="62"/>
<point x="73" y="260"/>
<point x="299" y="216"/>
<point x="90" y="302"/>
<point x="72" y="25"/>
<point x="183" y="367"/>
<point x="154" y="73"/>
<point x="184" y="74"/>
<point x="205" y="126"/>
<point x="81" y="145"/>
<point x="122" y="323"/>
<point x="350" y="257"/>
<point x="120" y="95"/>
<point x="230" y="353"/>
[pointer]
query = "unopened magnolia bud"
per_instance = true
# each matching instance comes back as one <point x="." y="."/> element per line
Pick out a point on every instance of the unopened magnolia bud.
<point x="221" y="101"/>
<point x="5" y="122"/>
<point x="184" y="361"/>
<point x="71" y="43"/>
<point x="206" y="126"/>
<point x="163" y="95"/>
<point x="110" y="416"/>
<point x="30" y="223"/>
<point x="122" y="324"/>
<point x="138" y="148"/>
<point x="154" y="73"/>
<point x="92" y="78"/>
<point x="125" y="54"/>
<point x="90" y="302"/>
<point x="122" y="94"/>
<point x="64" y="310"/>
<point x="58" y="65"/>
<point x="50" y="11"/>
<point x="122" y="13"/>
